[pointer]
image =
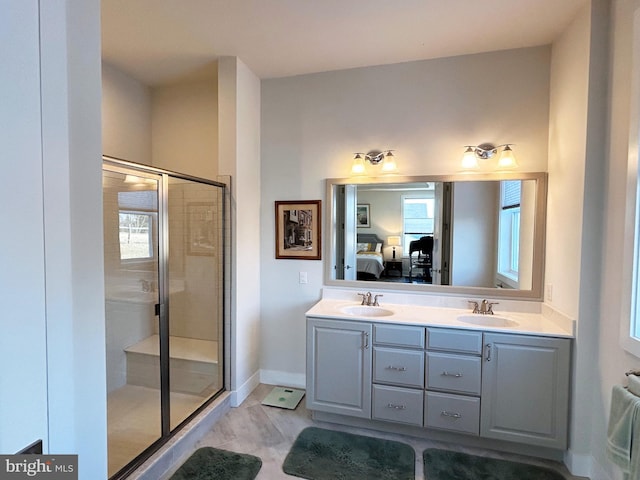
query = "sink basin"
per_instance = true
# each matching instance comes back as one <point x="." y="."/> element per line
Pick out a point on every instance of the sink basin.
<point x="366" y="311"/>
<point x="488" y="320"/>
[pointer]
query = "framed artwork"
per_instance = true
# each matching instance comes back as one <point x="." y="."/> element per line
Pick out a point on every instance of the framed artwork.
<point x="201" y="231"/>
<point x="362" y="215"/>
<point x="298" y="229"/>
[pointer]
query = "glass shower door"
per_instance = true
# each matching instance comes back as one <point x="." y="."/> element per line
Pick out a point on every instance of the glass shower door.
<point x="131" y="258"/>
<point x="196" y="290"/>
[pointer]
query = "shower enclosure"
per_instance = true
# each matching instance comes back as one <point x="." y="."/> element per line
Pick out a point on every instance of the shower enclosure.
<point x="164" y="291"/>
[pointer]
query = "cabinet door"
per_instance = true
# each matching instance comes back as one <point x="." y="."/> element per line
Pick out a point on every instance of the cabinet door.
<point x="339" y="367"/>
<point x="525" y="389"/>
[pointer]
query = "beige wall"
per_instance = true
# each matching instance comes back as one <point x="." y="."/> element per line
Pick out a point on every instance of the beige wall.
<point x="184" y="133"/>
<point x="126" y="116"/>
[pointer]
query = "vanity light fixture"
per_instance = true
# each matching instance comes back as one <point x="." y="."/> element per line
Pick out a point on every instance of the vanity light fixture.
<point x="485" y="151"/>
<point x="394" y="241"/>
<point x="374" y="157"/>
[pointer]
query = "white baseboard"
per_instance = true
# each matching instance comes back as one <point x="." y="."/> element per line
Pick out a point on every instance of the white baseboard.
<point x="579" y="465"/>
<point x="240" y="394"/>
<point x="283" y="379"/>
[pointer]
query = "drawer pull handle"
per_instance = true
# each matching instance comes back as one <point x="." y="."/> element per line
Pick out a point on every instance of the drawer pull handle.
<point x="397" y="407"/>
<point x="399" y="369"/>
<point x="447" y="374"/>
<point x="366" y="340"/>
<point x="444" y="413"/>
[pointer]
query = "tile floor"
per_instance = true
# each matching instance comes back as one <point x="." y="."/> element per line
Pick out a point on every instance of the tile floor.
<point x="269" y="432"/>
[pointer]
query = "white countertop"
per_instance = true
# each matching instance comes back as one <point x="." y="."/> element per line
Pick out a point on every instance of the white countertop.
<point x="433" y="316"/>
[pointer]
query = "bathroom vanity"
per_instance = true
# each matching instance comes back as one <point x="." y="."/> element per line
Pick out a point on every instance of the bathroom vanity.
<point x="419" y="369"/>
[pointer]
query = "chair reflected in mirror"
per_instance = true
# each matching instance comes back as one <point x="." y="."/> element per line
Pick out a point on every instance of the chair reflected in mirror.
<point x="420" y="266"/>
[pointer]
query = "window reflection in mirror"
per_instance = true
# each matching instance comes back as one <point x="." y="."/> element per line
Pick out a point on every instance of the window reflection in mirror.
<point x="483" y="233"/>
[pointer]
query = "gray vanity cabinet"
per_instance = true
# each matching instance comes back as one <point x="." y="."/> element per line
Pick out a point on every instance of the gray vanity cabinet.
<point x="398" y="374"/>
<point x="454" y="376"/>
<point x="507" y="387"/>
<point x="525" y="389"/>
<point x="339" y="362"/>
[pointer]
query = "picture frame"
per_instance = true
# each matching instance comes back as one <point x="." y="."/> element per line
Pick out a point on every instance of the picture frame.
<point x="299" y="229"/>
<point x="363" y="218"/>
<point x="201" y="229"/>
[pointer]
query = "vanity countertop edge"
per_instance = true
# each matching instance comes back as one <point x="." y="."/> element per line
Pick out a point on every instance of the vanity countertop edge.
<point x="429" y="316"/>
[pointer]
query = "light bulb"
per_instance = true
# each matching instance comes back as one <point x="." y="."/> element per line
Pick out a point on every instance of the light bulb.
<point x="469" y="159"/>
<point x="357" y="168"/>
<point x="389" y="164"/>
<point x="507" y="159"/>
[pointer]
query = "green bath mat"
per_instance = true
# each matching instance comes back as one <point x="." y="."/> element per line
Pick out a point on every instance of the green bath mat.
<point x="283" y="397"/>
<point x="448" y="465"/>
<point x="210" y="463"/>
<point x="320" y="454"/>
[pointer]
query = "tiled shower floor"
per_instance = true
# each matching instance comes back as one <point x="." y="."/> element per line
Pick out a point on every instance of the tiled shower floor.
<point x="133" y="416"/>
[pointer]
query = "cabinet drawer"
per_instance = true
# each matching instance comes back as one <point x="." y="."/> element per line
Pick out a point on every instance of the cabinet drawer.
<point x="463" y="341"/>
<point x="400" y="335"/>
<point x="398" y="404"/>
<point x="452" y="412"/>
<point x="456" y="373"/>
<point x="398" y="367"/>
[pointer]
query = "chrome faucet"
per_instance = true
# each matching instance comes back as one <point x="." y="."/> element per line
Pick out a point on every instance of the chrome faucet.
<point x="366" y="299"/>
<point x="484" y="307"/>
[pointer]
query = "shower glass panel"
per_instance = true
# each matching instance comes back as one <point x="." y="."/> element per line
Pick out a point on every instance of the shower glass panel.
<point x="195" y="295"/>
<point x="131" y="259"/>
<point x="164" y="295"/>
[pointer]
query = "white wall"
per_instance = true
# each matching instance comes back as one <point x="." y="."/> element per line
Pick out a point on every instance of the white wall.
<point x="612" y="360"/>
<point x="185" y="127"/>
<point x="126" y="116"/>
<point x="567" y="150"/>
<point x="385" y="212"/>
<point x="23" y="375"/>
<point x="574" y="211"/>
<point x="527" y="230"/>
<point x="239" y="157"/>
<point x="61" y="284"/>
<point x="73" y="232"/>
<point x="474" y="233"/>
<point x="427" y="111"/>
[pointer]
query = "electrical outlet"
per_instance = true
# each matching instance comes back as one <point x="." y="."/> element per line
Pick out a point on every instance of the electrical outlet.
<point x="303" y="277"/>
<point x="548" y="292"/>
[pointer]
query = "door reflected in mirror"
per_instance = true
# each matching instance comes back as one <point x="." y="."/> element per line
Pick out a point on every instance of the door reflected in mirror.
<point x="454" y="233"/>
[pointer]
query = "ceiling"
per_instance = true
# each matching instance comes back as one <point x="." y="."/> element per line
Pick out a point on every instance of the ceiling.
<point x="161" y="41"/>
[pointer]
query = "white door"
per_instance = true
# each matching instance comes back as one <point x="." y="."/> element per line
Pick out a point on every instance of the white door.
<point x="436" y="257"/>
<point x="350" y="199"/>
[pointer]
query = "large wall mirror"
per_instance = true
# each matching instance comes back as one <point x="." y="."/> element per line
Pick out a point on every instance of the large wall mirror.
<point x="473" y="234"/>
